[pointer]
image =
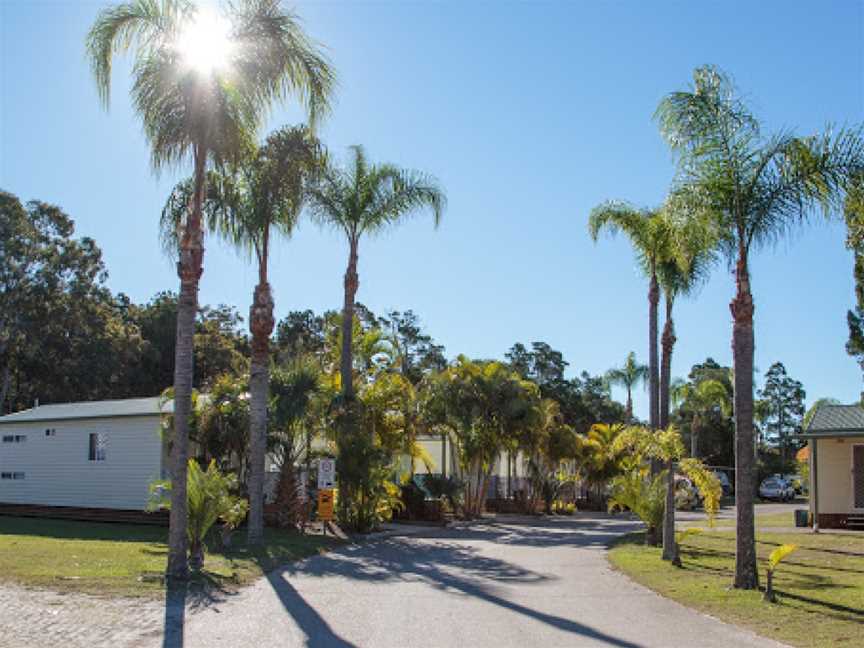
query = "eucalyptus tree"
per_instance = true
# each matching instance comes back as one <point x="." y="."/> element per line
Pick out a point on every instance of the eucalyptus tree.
<point x="365" y="199"/>
<point x="202" y="85"/>
<point x="649" y="234"/>
<point x="751" y="189"/>
<point x="628" y="375"/>
<point x="246" y="204"/>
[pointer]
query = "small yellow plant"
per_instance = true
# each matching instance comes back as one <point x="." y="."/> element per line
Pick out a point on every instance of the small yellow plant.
<point x="774" y="559"/>
<point x="560" y="507"/>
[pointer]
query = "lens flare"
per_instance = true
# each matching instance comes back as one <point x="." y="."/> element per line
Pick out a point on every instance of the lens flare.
<point x="205" y="42"/>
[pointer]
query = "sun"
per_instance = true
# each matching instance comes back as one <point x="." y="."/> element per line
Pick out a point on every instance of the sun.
<point x="205" y="43"/>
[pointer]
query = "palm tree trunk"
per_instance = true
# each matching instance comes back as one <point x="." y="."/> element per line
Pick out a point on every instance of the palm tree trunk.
<point x="668" y="343"/>
<point x="653" y="369"/>
<point x="189" y="269"/>
<point x="261" y="323"/>
<point x="347" y="360"/>
<point x="669" y="513"/>
<point x="746" y="574"/>
<point x="629" y="411"/>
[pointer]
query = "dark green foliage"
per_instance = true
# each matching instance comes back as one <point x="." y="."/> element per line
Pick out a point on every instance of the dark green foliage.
<point x="87" y="344"/>
<point x="416" y="351"/>
<point x="441" y="487"/>
<point x="583" y="401"/>
<point x="414" y="499"/>
<point x="854" y="212"/>
<point x="716" y="427"/>
<point x="783" y="400"/>
<point x="366" y="493"/>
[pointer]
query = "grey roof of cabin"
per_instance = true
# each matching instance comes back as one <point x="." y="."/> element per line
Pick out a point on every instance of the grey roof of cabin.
<point x="88" y="410"/>
<point x="836" y="420"/>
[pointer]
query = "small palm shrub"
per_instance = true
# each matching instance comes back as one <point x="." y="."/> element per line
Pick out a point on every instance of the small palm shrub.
<point x="645" y="496"/>
<point x="210" y="498"/>
<point x="774" y="559"/>
<point x="447" y="488"/>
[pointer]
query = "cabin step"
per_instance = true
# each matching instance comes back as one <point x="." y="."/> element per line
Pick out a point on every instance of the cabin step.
<point x="855" y="522"/>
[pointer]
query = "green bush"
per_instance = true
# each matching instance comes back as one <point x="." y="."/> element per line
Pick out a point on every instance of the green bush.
<point x="645" y="496"/>
<point x="440" y="487"/>
<point x="210" y="498"/>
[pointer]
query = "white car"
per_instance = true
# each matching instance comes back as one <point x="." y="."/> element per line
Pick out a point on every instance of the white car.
<point x="775" y="488"/>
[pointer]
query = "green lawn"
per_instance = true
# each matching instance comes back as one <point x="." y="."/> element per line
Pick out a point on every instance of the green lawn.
<point x="820" y="587"/>
<point x="123" y="559"/>
<point x="776" y="520"/>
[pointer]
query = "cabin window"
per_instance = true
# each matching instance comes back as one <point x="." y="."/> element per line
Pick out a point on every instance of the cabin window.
<point x="51" y="432"/>
<point x="98" y="446"/>
<point x="12" y="475"/>
<point x="14" y="438"/>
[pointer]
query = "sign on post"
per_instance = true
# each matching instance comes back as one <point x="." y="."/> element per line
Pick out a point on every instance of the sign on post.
<point x="326" y="473"/>
<point x="325" y="505"/>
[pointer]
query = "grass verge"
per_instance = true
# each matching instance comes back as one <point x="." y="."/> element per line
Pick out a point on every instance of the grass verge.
<point x="820" y="587"/>
<point x="128" y="560"/>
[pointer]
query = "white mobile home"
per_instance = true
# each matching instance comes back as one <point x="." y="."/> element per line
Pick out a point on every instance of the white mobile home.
<point x="101" y="454"/>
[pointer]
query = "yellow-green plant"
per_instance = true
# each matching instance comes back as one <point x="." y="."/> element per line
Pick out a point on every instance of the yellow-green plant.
<point x="643" y="495"/>
<point x="666" y="445"/>
<point x="708" y="485"/>
<point x="209" y="496"/>
<point x="774" y="559"/>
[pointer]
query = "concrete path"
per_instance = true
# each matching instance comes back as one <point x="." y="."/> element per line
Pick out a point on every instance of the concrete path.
<point x="498" y="583"/>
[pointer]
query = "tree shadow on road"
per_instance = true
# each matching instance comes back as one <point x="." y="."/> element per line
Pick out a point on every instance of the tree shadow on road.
<point x="453" y="566"/>
<point x="316" y="629"/>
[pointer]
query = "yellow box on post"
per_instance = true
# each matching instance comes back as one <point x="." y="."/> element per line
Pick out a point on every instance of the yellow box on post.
<point x="326" y="501"/>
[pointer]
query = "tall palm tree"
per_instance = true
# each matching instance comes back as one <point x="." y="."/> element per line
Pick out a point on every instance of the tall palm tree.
<point x="364" y="199"/>
<point x="692" y="255"/>
<point x="263" y="193"/>
<point x="628" y="375"/>
<point x="648" y="231"/>
<point x="751" y="189"/>
<point x="202" y="85"/>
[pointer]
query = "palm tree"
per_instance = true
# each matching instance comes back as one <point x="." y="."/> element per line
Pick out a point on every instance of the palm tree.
<point x="628" y="375"/>
<point x="699" y="399"/>
<point x="265" y="192"/>
<point x="751" y="189"/>
<point x="365" y="199"/>
<point x="692" y="252"/>
<point x="202" y="85"/>
<point x="648" y="231"/>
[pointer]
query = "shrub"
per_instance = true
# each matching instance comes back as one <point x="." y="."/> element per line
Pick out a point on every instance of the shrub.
<point x="414" y="499"/>
<point x="441" y="487"/>
<point x="563" y="508"/>
<point x="209" y="498"/>
<point x="645" y="496"/>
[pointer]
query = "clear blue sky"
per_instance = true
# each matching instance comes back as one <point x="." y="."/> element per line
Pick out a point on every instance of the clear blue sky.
<point x="529" y="114"/>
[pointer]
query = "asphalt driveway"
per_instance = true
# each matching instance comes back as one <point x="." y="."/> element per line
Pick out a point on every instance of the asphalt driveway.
<point x="509" y="582"/>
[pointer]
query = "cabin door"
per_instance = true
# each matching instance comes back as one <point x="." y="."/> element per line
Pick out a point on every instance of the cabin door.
<point x="858" y="477"/>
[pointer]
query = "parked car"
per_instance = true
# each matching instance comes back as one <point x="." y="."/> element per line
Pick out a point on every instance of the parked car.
<point x="686" y="494"/>
<point x="725" y="484"/>
<point x="776" y="488"/>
